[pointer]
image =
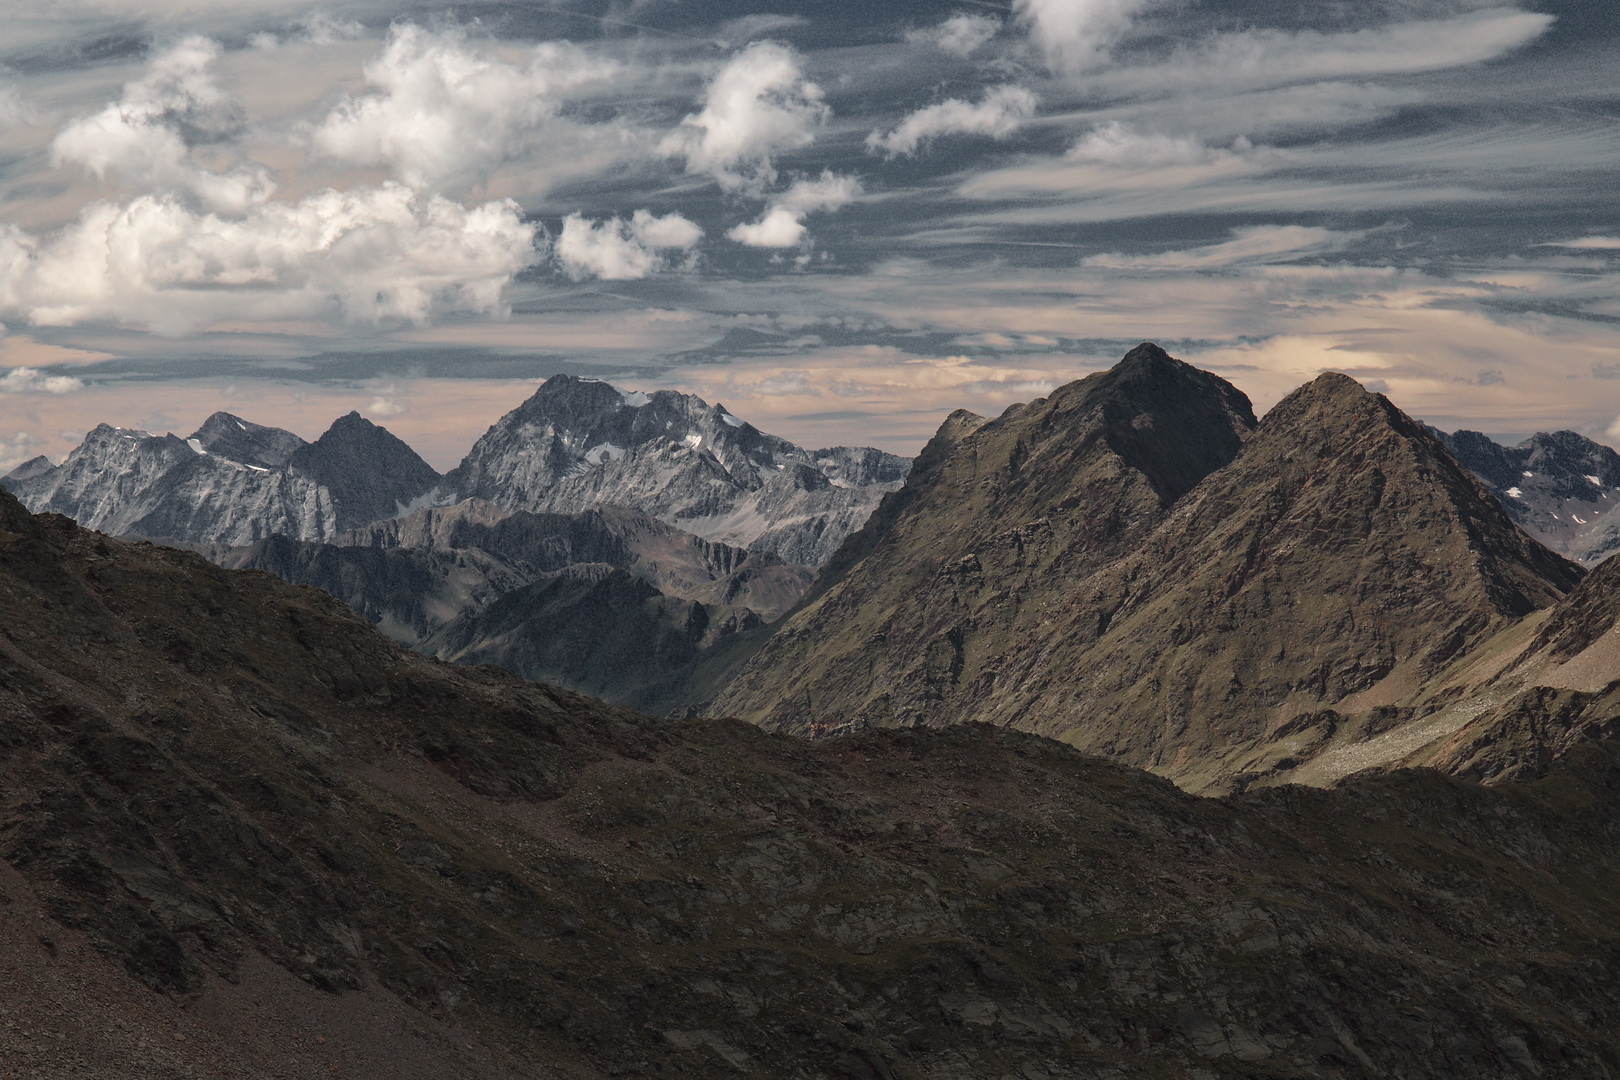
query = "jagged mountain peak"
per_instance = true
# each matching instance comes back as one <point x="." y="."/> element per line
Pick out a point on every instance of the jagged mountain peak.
<point x="370" y="471"/>
<point x="577" y="443"/>
<point x="229" y="436"/>
<point x="34" y="466"/>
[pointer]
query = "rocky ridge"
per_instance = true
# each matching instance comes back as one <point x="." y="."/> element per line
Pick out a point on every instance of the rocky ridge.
<point x="277" y="844"/>
<point x="1560" y="487"/>
<point x="1189" y="609"/>
<point x="578" y="443"/>
<point x="231" y="482"/>
<point x="610" y="601"/>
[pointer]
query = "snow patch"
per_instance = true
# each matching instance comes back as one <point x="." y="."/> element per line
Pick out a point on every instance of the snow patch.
<point x="694" y="440"/>
<point x="197" y="446"/>
<point x="1578" y="519"/>
<point x="1514" y="493"/>
<point x="241" y="425"/>
<point x="729" y="419"/>
<point x="1527" y="475"/>
<point x="255" y="468"/>
<point x="1593" y="480"/>
<point x="635" y="398"/>
<point x="604" y="452"/>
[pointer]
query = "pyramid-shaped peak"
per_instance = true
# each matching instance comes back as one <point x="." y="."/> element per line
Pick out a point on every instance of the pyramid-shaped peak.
<point x="1334" y="401"/>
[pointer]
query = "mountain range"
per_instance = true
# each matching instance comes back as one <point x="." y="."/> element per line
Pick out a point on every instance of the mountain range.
<point x="1135" y="564"/>
<point x="575" y="444"/>
<point x="242" y="833"/>
<point x="1137" y="567"/>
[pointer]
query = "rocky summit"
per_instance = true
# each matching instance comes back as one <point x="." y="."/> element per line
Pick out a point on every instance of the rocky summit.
<point x="578" y="443"/>
<point x="230" y="482"/>
<point x="244" y="834"/>
<point x="1560" y="487"/>
<point x="1187" y="608"/>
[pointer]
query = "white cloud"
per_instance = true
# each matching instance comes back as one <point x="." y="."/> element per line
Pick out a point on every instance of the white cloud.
<point x="377" y="254"/>
<point x="1001" y="112"/>
<point x="1260" y="244"/>
<point x="32" y="381"/>
<point x="758" y="105"/>
<point x="1591" y="243"/>
<point x="1077" y="34"/>
<point x="616" y="250"/>
<point x="1122" y="146"/>
<point x="139" y="137"/>
<point x="446" y="115"/>
<point x="963" y="33"/>
<point x="16" y="450"/>
<point x="782" y="224"/>
<point x="1266" y="57"/>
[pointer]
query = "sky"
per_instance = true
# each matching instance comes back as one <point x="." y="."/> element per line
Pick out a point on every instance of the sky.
<point x="841" y="220"/>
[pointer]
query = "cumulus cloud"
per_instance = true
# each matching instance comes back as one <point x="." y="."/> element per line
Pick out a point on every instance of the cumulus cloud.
<point x="1076" y="34"/>
<point x="445" y="115"/>
<point x="782" y="224"/>
<point x="963" y="33"/>
<point x="618" y="250"/>
<point x="1120" y="145"/>
<point x="25" y="380"/>
<point x="1260" y="244"/>
<point x="758" y="105"/>
<point x="141" y="138"/>
<point x="1002" y="111"/>
<point x="375" y="254"/>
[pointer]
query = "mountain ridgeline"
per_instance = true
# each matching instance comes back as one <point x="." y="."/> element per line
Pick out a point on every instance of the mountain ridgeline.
<point x="605" y="540"/>
<point x="1136" y="567"/>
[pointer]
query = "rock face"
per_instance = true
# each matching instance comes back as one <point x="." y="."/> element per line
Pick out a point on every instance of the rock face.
<point x="261" y="482"/>
<point x="1108" y="567"/>
<point x="235" y="439"/>
<point x="611" y="602"/>
<point x="241" y="832"/>
<point x="1562" y="488"/>
<point x="579" y="443"/>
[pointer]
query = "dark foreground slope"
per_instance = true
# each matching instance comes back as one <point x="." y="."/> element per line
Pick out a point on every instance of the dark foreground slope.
<point x="243" y="834"/>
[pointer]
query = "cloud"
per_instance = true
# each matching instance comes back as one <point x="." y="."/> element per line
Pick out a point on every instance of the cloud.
<point x="375" y="254"/>
<point x="1120" y="145"/>
<point x="963" y="33"/>
<point x="20" y="447"/>
<point x="1001" y="112"/>
<point x="1591" y="243"/>
<point x="758" y="105"/>
<point x="782" y="224"/>
<point x="446" y="115"/>
<point x="740" y="31"/>
<point x="31" y="381"/>
<point x="616" y="250"/>
<point x="142" y="136"/>
<point x="1260" y="244"/>
<point x="1270" y="57"/>
<point x="1076" y="34"/>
